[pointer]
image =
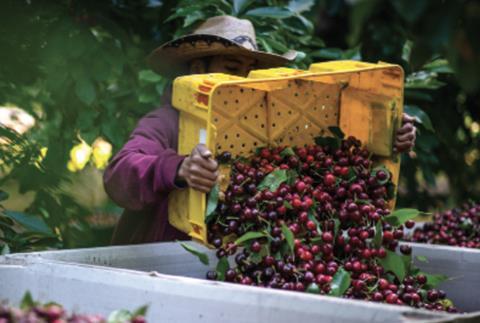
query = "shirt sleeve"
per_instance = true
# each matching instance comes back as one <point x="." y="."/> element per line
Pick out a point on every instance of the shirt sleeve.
<point x="146" y="167"/>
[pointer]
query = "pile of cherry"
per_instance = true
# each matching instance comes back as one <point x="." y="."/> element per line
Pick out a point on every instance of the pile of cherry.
<point x="316" y="219"/>
<point x="455" y="227"/>
<point x="54" y="313"/>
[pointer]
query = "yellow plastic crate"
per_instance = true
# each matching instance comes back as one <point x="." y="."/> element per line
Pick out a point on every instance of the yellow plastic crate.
<point x="284" y="106"/>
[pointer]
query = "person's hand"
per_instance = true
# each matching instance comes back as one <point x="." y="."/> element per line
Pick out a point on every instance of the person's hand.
<point x="199" y="170"/>
<point x="405" y="139"/>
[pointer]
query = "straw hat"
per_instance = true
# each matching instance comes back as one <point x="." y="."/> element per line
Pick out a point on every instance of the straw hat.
<point x="221" y="35"/>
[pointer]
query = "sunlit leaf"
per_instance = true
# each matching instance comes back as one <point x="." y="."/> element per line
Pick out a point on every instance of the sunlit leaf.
<point x="340" y="282"/>
<point x="194" y="251"/>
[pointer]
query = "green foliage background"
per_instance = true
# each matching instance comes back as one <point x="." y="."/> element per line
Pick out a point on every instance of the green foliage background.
<point x="79" y="68"/>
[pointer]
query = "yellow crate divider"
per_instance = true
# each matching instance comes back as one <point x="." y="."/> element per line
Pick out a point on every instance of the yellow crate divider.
<point x="284" y="106"/>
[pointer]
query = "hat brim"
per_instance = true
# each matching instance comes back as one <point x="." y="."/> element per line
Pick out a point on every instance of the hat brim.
<point x="171" y="57"/>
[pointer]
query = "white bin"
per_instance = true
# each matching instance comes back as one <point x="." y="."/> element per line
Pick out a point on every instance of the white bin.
<point x="165" y="276"/>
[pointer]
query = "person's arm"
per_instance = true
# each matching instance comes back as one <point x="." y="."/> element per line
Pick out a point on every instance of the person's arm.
<point x="148" y="165"/>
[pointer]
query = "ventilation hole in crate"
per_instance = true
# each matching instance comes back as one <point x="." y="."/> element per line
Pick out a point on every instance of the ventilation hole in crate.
<point x="219" y="147"/>
<point x="255" y="143"/>
<point x="290" y="112"/>
<point x="243" y="145"/>
<point x="253" y="90"/>
<point x="236" y="101"/>
<point x="315" y="108"/>
<point x="215" y="119"/>
<point x="281" y="140"/>
<point x="326" y="116"/>
<point x="219" y="92"/>
<point x="225" y="102"/>
<point x="273" y="104"/>
<point x="245" y="117"/>
<point x="241" y="90"/>
<point x="289" y="84"/>
<point x="296" y="94"/>
<point x="232" y="146"/>
<point x="262" y="126"/>
<point x="238" y="135"/>
<point x="256" y="116"/>
<point x="230" y="91"/>
<point x="226" y="136"/>
<point x="327" y="96"/>
<point x="291" y="138"/>
<point x="273" y="125"/>
<point x="261" y="105"/>
<point x="279" y="113"/>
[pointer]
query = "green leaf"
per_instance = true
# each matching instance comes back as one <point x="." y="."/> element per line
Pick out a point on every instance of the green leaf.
<point x="240" y="5"/>
<point x="438" y="66"/>
<point x="222" y="267"/>
<point x="30" y="222"/>
<point x="201" y="256"/>
<point x="3" y="195"/>
<point x="466" y="224"/>
<point x="420" y="115"/>
<point x="407" y="262"/>
<point x="307" y="24"/>
<point x="423" y="80"/>
<point x="287" y="205"/>
<point x="331" y="142"/>
<point x="390" y="190"/>
<point x="292" y="176"/>
<point x="340" y="282"/>
<point x="433" y="280"/>
<point x="212" y="203"/>
<point x="299" y="6"/>
<point x="311" y="217"/>
<point x="377" y="239"/>
<point x="85" y="90"/>
<point x="141" y="311"/>
<point x="401" y="216"/>
<point x="384" y="169"/>
<point x="27" y="301"/>
<point x="287" y="152"/>
<point x="193" y="17"/>
<point x="288" y="234"/>
<point x="327" y="53"/>
<point x="270" y="12"/>
<point x="337" y="132"/>
<point x="336" y="227"/>
<point x="422" y="258"/>
<point x="273" y="180"/>
<point x="120" y="316"/>
<point x="5" y="250"/>
<point x="149" y="76"/>
<point x="313" y="289"/>
<point x="394" y="263"/>
<point x="249" y="236"/>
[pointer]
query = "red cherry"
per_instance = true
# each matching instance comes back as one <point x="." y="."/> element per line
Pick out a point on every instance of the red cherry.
<point x="327" y="237"/>
<point x="329" y="179"/>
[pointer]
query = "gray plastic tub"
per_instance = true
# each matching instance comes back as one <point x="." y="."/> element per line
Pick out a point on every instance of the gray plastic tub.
<point x="165" y="276"/>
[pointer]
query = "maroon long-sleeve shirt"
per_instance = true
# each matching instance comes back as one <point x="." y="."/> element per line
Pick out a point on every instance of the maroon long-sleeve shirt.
<point x="141" y="175"/>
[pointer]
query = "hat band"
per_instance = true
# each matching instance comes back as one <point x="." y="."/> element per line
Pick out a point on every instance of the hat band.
<point x="244" y="38"/>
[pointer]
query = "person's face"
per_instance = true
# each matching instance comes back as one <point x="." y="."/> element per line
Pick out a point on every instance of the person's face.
<point x="234" y="65"/>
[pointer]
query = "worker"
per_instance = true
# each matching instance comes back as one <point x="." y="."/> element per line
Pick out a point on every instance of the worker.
<point x="143" y="173"/>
